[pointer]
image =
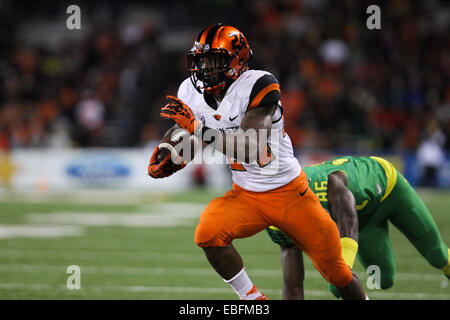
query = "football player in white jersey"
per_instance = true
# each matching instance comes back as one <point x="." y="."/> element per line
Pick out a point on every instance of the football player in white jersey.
<point x="224" y="103"/>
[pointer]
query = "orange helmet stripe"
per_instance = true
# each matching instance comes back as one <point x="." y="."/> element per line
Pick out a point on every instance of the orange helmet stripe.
<point x="262" y="94"/>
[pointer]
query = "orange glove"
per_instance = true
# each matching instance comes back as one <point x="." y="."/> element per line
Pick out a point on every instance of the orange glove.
<point x="181" y="114"/>
<point x="164" y="168"/>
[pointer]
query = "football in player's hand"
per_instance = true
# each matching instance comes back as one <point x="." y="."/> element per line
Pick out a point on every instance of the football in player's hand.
<point x="163" y="152"/>
<point x="176" y="141"/>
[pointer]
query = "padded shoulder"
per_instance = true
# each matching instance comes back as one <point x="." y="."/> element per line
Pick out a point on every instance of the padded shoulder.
<point x="253" y="86"/>
<point x="265" y="91"/>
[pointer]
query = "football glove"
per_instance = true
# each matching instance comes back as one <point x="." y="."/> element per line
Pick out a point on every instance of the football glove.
<point x="165" y="168"/>
<point x="181" y="114"/>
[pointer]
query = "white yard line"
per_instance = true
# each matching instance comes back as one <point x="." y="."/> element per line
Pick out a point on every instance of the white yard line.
<point x="200" y="272"/>
<point x="85" y="257"/>
<point x="25" y="286"/>
<point x="61" y="224"/>
<point x="98" y="255"/>
<point x="157" y="215"/>
<point x="209" y="290"/>
<point x="39" y="231"/>
<point x="87" y="196"/>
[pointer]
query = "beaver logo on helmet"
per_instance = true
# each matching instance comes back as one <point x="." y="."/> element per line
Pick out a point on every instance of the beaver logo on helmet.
<point x="219" y="56"/>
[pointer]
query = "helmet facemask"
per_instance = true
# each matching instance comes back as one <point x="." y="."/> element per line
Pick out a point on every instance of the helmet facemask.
<point x="227" y="53"/>
<point x="210" y="69"/>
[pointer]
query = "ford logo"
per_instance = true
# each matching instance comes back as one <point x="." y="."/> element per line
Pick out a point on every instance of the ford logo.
<point x="97" y="167"/>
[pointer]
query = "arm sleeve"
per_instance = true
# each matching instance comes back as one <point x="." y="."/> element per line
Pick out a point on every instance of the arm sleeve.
<point x="265" y="91"/>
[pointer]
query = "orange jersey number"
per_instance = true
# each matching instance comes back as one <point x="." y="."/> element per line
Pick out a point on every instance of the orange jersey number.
<point x="265" y="158"/>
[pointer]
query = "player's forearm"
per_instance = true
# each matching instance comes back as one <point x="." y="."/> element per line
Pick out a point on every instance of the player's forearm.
<point x="346" y="215"/>
<point x="347" y="221"/>
<point x="250" y="140"/>
<point x="241" y="146"/>
<point x="342" y="205"/>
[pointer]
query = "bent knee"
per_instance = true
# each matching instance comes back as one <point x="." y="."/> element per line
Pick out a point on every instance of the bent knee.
<point x="341" y="279"/>
<point x="338" y="273"/>
<point x="436" y="257"/>
<point x="206" y="236"/>
<point x="387" y="281"/>
<point x="203" y="236"/>
<point x="382" y="277"/>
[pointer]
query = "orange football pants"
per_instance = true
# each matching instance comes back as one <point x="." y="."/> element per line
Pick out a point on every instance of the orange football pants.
<point x="293" y="208"/>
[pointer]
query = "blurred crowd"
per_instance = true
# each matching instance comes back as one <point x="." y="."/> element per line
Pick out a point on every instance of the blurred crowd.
<point x="343" y="86"/>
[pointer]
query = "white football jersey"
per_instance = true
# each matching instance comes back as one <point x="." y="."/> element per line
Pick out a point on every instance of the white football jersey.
<point x="276" y="169"/>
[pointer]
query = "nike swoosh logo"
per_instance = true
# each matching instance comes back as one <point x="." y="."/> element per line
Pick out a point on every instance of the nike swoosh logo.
<point x="232" y="119"/>
<point x="303" y="193"/>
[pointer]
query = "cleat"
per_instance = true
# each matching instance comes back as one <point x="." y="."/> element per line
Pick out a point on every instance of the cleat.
<point x="252" y="294"/>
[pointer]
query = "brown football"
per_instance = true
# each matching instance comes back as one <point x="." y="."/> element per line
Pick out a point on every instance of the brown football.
<point x="171" y="142"/>
<point x="163" y="152"/>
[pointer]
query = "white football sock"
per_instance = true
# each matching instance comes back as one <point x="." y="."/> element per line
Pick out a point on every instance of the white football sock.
<point x="243" y="286"/>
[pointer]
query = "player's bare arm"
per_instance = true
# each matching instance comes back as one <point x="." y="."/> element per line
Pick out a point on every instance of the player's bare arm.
<point x="342" y="205"/>
<point x="258" y="118"/>
<point x="293" y="272"/>
<point x="230" y="144"/>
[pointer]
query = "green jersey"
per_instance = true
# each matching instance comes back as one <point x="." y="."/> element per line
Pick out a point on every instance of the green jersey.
<point x="370" y="180"/>
<point x="381" y="194"/>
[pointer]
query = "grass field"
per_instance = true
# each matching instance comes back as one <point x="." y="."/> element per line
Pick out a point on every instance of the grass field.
<point x="136" y="246"/>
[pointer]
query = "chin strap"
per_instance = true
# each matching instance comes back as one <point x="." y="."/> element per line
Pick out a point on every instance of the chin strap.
<point x="217" y="88"/>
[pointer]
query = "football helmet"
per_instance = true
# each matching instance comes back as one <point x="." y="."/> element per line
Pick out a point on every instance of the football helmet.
<point x="219" y="55"/>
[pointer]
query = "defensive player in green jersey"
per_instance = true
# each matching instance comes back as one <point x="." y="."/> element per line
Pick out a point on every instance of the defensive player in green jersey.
<point x="362" y="194"/>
